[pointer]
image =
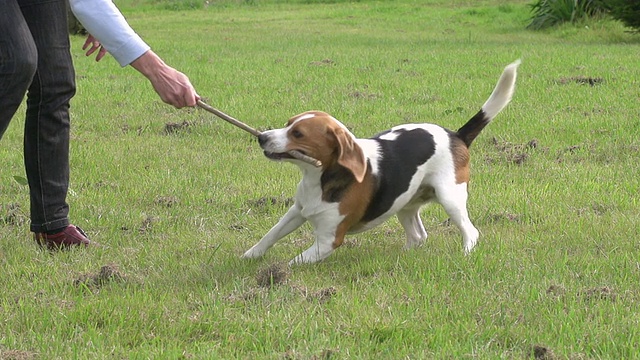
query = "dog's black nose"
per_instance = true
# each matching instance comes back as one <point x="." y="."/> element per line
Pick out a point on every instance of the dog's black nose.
<point x="262" y="139"/>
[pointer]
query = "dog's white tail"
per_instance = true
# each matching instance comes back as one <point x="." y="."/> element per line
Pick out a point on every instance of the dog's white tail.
<point x="500" y="97"/>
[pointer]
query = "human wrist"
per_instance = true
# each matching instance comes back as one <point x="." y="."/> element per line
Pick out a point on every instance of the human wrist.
<point x="149" y="64"/>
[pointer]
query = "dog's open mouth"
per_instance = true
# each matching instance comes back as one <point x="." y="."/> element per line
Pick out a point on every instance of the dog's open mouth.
<point x="277" y="156"/>
<point x="293" y="155"/>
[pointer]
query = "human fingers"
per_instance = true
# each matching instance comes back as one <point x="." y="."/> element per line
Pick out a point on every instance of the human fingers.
<point x="94" y="46"/>
<point x="88" y="41"/>
<point x="190" y="96"/>
<point x="101" y="53"/>
<point x="91" y="50"/>
<point x="91" y="40"/>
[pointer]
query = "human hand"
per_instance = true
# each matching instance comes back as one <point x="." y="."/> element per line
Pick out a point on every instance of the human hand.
<point x="173" y="86"/>
<point x="95" y="45"/>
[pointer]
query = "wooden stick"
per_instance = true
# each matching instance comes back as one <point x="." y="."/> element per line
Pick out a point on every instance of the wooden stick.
<point x="306" y="158"/>
<point x="296" y="154"/>
<point x="228" y="118"/>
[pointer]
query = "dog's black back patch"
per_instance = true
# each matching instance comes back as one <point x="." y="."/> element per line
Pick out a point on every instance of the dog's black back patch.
<point x="399" y="161"/>
<point x="335" y="181"/>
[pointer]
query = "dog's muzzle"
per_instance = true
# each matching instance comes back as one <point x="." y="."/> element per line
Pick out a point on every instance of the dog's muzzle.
<point x="263" y="139"/>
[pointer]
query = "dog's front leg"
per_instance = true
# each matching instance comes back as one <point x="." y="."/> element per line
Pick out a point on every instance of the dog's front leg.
<point x="326" y="241"/>
<point x="292" y="220"/>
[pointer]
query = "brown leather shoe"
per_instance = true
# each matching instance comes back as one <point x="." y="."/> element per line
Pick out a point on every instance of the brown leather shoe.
<point x="70" y="236"/>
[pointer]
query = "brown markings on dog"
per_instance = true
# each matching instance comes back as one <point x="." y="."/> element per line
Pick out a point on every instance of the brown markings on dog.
<point x="354" y="205"/>
<point x="461" y="158"/>
<point x="350" y="155"/>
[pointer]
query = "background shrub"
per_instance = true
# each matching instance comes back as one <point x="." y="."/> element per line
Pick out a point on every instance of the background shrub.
<point x="627" y="11"/>
<point x="547" y="13"/>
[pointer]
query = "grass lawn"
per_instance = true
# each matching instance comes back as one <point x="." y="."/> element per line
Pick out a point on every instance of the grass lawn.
<point x="176" y="196"/>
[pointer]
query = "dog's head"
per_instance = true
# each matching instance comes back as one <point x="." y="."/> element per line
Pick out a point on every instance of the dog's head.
<point x="318" y="135"/>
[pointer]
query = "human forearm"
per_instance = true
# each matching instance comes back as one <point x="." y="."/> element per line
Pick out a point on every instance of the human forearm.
<point x="105" y="22"/>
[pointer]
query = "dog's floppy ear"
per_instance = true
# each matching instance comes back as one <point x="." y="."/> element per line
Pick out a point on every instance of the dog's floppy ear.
<point x="350" y="155"/>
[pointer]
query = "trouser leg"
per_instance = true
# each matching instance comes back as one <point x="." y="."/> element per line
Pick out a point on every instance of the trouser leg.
<point x="18" y="58"/>
<point x="47" y="125"/>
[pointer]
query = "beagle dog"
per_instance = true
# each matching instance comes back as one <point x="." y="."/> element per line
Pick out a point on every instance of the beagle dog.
<point x="363" y="182"/>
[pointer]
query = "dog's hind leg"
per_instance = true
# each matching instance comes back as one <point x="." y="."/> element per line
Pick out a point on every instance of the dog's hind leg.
<point x="454" y="200"/>
<point x="410" y="220"/>
<point x="292" y="220"/>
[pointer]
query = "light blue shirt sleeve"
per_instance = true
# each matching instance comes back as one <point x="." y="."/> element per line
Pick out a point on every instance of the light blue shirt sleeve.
<point x="105" y="22"/>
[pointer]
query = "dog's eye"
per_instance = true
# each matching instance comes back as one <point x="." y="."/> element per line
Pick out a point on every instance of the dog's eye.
<point x="296" y="134"/>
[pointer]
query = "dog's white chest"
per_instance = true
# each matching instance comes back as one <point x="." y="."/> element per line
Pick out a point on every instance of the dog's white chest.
<point x="309" y="198"/>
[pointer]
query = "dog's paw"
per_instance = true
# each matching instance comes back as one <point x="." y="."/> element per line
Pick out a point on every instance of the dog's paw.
<point x="302" y="259"/>
<point x="307" y="257"/>
<point x="299" y="260"/>
<point x="413" y="243"/>
<point x="469" y="250"/>
<point x="469" y="242"/>
<point x="252" y="254"/>
<point x="469" y="247"/>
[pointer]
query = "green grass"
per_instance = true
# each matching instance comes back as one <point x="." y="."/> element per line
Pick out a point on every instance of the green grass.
<point x="554" y="193"/>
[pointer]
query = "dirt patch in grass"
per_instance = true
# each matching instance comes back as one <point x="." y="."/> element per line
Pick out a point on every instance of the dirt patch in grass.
<point x="145" y="227"/>
<point x="247" y="296"/>
<point x="17" y="355"/>
<point x="497" y="218"/>
<point x="556" y="291"/>
<point x="172" y="128"/>
<point x="322" y="295"/>
<point x="595" y="208"/>
<point x="273" y="275"/>
<point x="599" y="293"/>
<point x="541" y="352"/>
<point x="264" y="202"/>
<point x="126" y="128"/>
<point x="592" y="152"/>
<point x="605" y="293"/>
<point x="572" y="152"/>
<point x="504" y="217"/>
<point x="512" y="153"/>
<point x="572" y="149"/>
<point x="166" y="201"/>
<point x="276" y="276"/>
<point x="147" y="224"/>
<point x="363" y="95"/>
<point x="106" y="274"/>
<point x="583" y="80"/>
<point x="238" y="227"/>
<point x="323" y="62"/>
<point x="325" y="354"/>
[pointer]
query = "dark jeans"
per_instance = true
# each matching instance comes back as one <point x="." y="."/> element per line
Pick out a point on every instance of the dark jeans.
<point x="35" y="57"/>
